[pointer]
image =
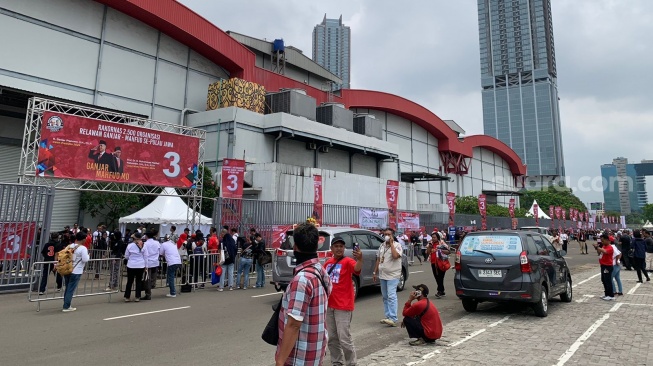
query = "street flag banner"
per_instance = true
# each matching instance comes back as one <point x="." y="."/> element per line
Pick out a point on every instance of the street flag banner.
<point x="551" y="214"/>
<point x="88" y="149"/>
<point x="482" y="209"/>
<point x="372" y="219"/>
<point x="451" y="204"/>
<point x="16" y="240"/>
<point x="511" y="208"/>
<point x="233" y="174"/>
<point x="317" y="199"/>
<point x="392" y="196"/>
<point x="408" y="220"/>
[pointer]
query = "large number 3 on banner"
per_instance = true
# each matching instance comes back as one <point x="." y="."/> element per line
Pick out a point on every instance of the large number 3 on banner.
<point x="174" y="164"/>
<point x="392" y="195"/>
<point x="233" y="182"/>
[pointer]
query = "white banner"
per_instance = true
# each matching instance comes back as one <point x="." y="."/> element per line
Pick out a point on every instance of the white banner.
<point x="408" y="220"/>
<point x="622" y="220"/>
<point x="372" y="219"/>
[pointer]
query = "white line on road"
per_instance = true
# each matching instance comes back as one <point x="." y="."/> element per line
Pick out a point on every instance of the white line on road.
<point x="632" y="290"/>
<point x="585" y="280"/>
<point x="641" y="294"/>
<point x="499" y="322"/>
<point x="149" y="312"/>
<point x="633" y="304"/>
<point x="454" y="344"/>
<point x="416" y="272"/>
<point x="431" y="354"/>
<point x="585" y="298"/>
<point x="270" y="294"/>
<point x="585" y="336"/>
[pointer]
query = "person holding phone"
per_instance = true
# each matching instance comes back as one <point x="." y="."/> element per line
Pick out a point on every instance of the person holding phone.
<point x="421" y="319"/>
<point x="341" y="301"/>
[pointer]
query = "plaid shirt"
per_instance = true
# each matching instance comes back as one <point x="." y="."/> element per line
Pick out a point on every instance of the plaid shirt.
<point x="306" y="301"/>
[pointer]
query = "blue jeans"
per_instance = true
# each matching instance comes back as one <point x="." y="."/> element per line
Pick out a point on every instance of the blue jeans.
<point x="227" y="272"/>
<point x="71" y="285"/>
<point x="389" y="293"/>
<point x="616" y="277"/>
<point x="260" y="275"/>
<point x="170" y="274"/>
<point x="244" y="267"/>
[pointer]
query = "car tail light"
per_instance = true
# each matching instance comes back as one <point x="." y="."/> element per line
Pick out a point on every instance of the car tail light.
<point x="325" y="254"/>
<point x="281" y="253"/>
<point x="525" y="296"/>
<point x="523" y="261"/>
<point x="459" y="292"/>
<point x="457" y="264"/>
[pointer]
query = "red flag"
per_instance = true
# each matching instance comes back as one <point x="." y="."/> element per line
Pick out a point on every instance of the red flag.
<point x="451" y="203"/>
<point x="391" y="195"/>
<point x="317" y="199"/>
<point x="482" y="208"/>
<point x="511" y="208"/>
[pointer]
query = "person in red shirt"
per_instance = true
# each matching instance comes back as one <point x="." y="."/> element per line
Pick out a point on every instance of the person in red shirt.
<point x="341" y="302"/>
<point x="605" y="260"/>
<point x="182" y="238"/>
<point x="213" y="240"/>
<point x="421" y="319"/>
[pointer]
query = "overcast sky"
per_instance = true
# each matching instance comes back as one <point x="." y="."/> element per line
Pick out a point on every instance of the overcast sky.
<point x="427" y="51"/>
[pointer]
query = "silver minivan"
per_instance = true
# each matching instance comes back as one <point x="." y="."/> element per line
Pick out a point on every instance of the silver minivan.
<point x="283" y="261"/>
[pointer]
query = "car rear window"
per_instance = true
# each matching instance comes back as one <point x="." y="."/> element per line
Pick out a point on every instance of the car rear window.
<point x="498" y="245"/>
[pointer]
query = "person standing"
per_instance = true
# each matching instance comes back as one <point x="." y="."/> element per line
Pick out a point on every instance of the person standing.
<point x="425" y="239"/>
<point x="616" y="271"/>
<point x="438" y="250"/>
<point x="582" y="241"/>
<point x="259" y="252"/>
<point x="169" y="250"/>
<point x="49" y="253"/>
<point x="341" y="302"/>
<point x="388" y="268"/>
<point x="421" y="319"/>
<point x="625" y="242"/>
<point x="605" y="252"/>
<point x="151" y="249"/>
<point x="246" y="258"/>
<point x="198" y="264"/>
<point x="564" y="237"/>
<point x="173" y="234"/>
<point x="135" y="256"/>
<point x="116" y="251"/>
<point x="80" y="257"/>
<point x="302" y="334"/>
<point x="649" y="250"/>
<point x="639" y="255"/>
<point x="229" y="245"/>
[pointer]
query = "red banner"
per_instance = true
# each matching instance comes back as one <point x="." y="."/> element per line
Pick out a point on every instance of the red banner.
<point x="16" y="239"/>
<point x="278" y="234"/>
<point x="451" y="204"/>
<point x="233" y="174"/>
<point x="83" y="148"/>
<point x="408" y="220"/>
<point x="482" y="209"/>
<point x="391" y="196"/>
<point x="558" y="212"/>
<point x="511" y="208"/>
<point x="317" y="198"/>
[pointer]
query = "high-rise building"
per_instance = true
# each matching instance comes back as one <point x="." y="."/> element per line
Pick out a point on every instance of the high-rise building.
<point x="332" y="48"/>
<point x="518" y="77"/>
<point x="624" y="185"/>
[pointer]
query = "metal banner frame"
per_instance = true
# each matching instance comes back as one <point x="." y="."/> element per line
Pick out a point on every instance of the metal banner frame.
<point x="32" y="135"/>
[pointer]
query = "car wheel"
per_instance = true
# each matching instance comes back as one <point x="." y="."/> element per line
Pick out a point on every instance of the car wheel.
<point x="402" y="281"/>
<point x="567" y="295"/>
<point x="541" y="307"/>
<point x="356" y="285"/>
<point x="470" y="305"/>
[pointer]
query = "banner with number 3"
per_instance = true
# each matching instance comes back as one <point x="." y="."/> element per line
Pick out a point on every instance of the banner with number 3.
<point x="233" y="173"/>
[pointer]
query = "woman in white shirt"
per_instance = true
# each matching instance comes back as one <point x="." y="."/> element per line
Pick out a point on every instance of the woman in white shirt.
<point x="616" y="271"/>
<point x="135" y="256"/>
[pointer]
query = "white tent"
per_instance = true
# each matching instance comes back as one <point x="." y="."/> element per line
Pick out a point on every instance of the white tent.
<point x="166" y="210"/>
<point x="540" y="211"/>
<point x="648" y="225"/>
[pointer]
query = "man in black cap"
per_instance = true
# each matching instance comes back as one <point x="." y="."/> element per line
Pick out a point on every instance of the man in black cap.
<point x="99" y="154"/>
<point x="421" y="319"/>
<point x="117" y="165"/>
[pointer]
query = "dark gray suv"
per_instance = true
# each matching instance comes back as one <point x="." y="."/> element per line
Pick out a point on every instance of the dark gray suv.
<point x="500" y="266"/>
<point x="283" y="261"/>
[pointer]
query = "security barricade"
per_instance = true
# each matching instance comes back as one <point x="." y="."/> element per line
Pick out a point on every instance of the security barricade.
<point x="199" y="269"/>
<point x="49" y="285"/>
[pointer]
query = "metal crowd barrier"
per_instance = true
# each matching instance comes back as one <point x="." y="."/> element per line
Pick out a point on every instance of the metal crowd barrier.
<point x="91" y="283"/>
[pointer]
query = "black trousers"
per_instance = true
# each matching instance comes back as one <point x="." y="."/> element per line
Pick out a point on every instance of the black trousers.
<point x="439" y="278"/>
<point x="415" y="329"/>
<point x="134" y="274"/>
<point x="564" y="245"/>
<point x="640" y="267"/>
<point x="606" y="279"/>
<point x="151" y="280"/>
<point x="45" y="272"/>
<point x="625" y="259"/>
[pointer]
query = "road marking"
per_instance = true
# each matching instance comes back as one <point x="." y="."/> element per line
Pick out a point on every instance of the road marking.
<point x="274" y="293"/>
<point x="585" y="298"/>
<point x="416" y="272"/>
<point x="147" y="313"/>
<point x="585" y="280"/>
<point x="499" y="322"/>
<point x="632" y="290"/>
<point x="641" y="294"/>
<point x="585" y="336"/>
<point x="633" y="304"/>
<point x="454" y="344"/>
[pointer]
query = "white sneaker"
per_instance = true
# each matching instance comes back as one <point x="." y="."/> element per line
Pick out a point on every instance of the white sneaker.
<point x="220" y="289"/>
<point x="168" y="295"/>
<point x="607" y="298"/>
<point x="69" y="310"/>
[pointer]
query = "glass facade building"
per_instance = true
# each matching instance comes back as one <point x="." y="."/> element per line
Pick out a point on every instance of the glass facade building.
<point x="624" y="185"/>
<point x="332" y="49"/>
<point x="518" y="78"/>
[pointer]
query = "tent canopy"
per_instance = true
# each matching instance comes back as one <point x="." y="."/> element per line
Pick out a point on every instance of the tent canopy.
<point x="168" y="208"/>
<point x="540" y="212"/>
<point x="648" y="225"/>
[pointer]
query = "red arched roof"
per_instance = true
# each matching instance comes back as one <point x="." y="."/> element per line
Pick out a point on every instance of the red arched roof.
<point x="187" y="27"/>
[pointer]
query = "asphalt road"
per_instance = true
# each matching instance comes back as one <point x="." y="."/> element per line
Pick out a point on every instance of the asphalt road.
<point x="202" y="328"/>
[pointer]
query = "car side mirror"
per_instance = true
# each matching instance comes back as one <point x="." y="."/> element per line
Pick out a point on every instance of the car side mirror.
<point x="562" y="253"/>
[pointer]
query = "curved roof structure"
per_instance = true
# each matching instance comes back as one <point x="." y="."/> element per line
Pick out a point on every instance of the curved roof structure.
<point x="189" y="28"/>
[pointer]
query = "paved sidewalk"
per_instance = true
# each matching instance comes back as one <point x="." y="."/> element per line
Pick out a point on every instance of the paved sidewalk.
<point x="587" y="331"/>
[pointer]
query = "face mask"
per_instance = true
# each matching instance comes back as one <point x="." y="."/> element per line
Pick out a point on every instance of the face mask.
<point x="387" y="238"/>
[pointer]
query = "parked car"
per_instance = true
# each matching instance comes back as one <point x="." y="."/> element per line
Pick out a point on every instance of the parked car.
<point x="283" y="261"/>
<point x="503" y="266"/>
<point x="539" y="229"/>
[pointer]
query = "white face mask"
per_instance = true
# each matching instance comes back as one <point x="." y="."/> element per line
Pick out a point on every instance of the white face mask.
<point x="387" y="238"/>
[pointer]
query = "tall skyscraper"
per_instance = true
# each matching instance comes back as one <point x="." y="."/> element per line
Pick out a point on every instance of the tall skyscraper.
<point x="518" y="77"/>
<point x="332" y="48"/>
<point x="624" y="185"/>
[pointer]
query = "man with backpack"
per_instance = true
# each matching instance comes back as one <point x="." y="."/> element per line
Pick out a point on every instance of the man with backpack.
<point x="421" y="319"/>
<point x="229" y="245"/>
<point x="72" y="261"/>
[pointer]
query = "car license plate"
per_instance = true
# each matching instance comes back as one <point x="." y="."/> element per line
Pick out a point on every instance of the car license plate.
<point x="490" y="273"/>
